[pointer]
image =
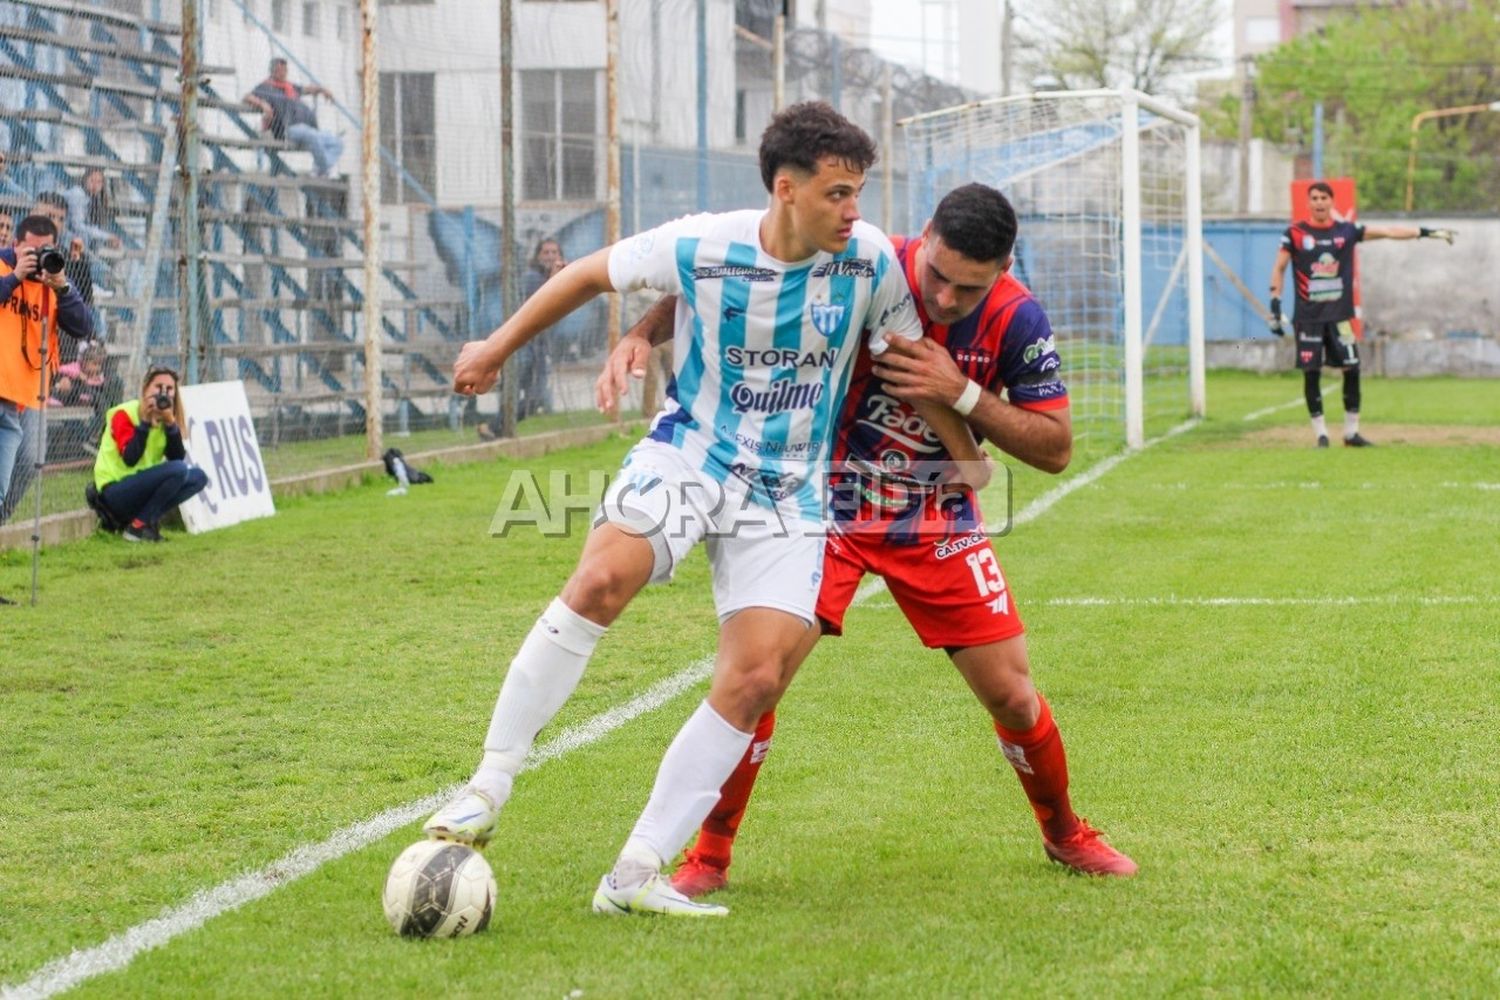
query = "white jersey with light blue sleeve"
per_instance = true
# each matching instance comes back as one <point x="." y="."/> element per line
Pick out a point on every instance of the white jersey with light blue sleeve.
<point x="763" y="348"/>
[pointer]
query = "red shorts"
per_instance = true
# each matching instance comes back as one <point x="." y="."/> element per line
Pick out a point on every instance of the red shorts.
<point x="952" y="591"/>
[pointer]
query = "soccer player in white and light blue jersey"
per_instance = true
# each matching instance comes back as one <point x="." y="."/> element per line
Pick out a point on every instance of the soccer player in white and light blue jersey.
<point x="772" y="304"/>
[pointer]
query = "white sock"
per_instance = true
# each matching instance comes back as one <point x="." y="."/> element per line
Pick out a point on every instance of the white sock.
<point x="1320" y="426"/>
<point x="1351" y="424"/>
<point x="695" y="767"/>
<point x="541" y="678"/>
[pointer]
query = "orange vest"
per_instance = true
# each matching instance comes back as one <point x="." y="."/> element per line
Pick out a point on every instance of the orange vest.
<point x="22" y="318"/>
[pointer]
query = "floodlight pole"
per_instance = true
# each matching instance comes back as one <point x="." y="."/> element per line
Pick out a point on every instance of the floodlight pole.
<point x="1416" y="123"/>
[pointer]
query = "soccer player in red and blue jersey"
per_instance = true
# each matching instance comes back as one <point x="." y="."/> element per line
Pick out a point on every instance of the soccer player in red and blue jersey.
<point x="1321" y="252"/>
<point x="892" y="517"/>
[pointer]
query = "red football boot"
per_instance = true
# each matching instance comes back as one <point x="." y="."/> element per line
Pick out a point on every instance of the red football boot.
<point x="696" y="877"/>
<point x="1085" y="851"/>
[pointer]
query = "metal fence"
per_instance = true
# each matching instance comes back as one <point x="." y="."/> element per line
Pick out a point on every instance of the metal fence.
<point x="225" y="242"/>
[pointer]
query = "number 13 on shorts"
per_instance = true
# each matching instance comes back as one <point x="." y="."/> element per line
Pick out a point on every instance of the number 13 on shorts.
<point x="988" y="579"/>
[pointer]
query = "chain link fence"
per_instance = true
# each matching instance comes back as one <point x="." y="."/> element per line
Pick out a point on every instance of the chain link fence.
<point x="216" y="228"/>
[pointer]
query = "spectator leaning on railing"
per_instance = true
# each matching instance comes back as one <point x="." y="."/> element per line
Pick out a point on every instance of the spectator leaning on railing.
<point x="35" y="300"/>
<point x="141" y="472"/>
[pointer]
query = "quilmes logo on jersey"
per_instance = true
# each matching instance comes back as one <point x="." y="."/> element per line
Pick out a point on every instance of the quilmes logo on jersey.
<point x="781" y="394"/>
<point x="826" y="317"/>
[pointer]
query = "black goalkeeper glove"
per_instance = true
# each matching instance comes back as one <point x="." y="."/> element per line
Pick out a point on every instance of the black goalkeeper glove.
<point x="1277" y="323"/>
<point x="1446" y="235"/>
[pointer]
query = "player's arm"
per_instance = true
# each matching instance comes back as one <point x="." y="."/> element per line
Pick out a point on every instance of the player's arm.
<point x="925" y="374"/>
<point x="906" y="369"/>
<point x="633" y="351"/>
<point x="479" y="361"/>
<point x="1278" y="272"/>
<point x="896" y="337"/>
<point x="1408" y="233"/>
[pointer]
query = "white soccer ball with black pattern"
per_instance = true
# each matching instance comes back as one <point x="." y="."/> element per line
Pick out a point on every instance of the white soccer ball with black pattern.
<point x="439" y="889"/>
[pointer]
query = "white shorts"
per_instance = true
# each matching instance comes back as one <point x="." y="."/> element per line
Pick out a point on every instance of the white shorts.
<point x="760" y="557"/>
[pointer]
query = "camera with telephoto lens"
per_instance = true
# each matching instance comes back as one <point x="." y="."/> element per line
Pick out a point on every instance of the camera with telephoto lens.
<point x="50" y="259"/>
<point x="162" y="400"/>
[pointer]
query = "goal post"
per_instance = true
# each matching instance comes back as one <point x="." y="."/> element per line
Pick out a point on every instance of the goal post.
<point x="1107" y="190"/>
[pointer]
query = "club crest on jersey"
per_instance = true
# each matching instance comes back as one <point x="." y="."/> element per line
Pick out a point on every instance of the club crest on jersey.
<point x="826" y="317"/>
<point x="1308" y="242"/>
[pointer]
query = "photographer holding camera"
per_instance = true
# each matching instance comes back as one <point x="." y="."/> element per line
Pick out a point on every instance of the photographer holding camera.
<point x="141" y="473"/>
<point x="35" y="301"/>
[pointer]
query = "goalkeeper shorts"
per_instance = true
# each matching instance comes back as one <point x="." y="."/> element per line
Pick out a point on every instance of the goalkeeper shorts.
<point x="1330" y="344"/>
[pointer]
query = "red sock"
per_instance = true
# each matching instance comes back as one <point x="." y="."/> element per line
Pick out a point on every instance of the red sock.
<point x="716" y="839"/>
<point x="1040" y="762"/>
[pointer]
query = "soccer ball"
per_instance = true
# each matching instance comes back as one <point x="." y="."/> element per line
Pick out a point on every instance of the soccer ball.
<point x="439" y="889"/>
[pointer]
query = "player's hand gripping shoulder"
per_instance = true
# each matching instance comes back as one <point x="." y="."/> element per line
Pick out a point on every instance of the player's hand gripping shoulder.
<point x="922" y="372"/>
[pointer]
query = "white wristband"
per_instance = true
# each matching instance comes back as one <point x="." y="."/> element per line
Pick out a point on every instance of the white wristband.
<point x="968" y="399"/>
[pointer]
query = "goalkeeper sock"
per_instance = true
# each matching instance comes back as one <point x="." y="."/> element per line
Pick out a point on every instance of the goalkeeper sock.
<point x="1351" y="424"/>
<point x="1320" y="426"/>
<point x="716" y="839"/>
<point x="541" y="678"/>
<point x="699" y="761"/>
<point x="1039" y="761"/>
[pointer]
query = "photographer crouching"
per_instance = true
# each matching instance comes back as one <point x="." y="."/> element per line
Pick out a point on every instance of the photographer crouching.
<point x="141" y="473"/>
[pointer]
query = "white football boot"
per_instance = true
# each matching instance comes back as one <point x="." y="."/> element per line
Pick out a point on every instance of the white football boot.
<point x="654" y="896"/>
<point x="469" y="819"/>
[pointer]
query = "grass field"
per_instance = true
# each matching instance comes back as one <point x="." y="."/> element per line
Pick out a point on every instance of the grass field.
<point x="1275" y="667"/>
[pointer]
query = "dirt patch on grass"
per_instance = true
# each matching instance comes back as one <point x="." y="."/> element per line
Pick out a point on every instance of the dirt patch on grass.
<point x="1418" y="435"/>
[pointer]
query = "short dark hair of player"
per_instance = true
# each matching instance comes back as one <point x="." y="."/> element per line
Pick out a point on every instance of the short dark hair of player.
<point x="36" y="225"/>
<point x="976" y="221"/>
<point x="802" y="134"/>
<point x="1323" y="186"/>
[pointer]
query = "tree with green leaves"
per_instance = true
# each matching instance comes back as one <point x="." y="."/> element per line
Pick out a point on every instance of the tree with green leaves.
<point x="1374" y="69"/>
<point x="1144" y="44"/>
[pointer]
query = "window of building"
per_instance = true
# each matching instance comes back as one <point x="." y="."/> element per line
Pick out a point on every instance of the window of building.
<point x="408" y="131"/>
<point x="559" y="135"/>
<point x="310" y="20"/>
<point x="281" y="15"/>
<point x="1262" y="31"/>
<point x="739" y="116"/>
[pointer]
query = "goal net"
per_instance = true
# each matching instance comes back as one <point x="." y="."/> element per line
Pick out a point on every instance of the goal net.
<point x="1106" y="188"/>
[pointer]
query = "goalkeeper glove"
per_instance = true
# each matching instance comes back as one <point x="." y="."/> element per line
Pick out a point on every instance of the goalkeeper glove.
<point x="1277" y="322"/>
<point x="1446" y="235"/>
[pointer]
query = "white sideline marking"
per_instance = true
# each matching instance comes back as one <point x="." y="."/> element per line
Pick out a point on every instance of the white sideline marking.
<point x="1330" y="385"/>
<point x="117" y="952"/>
<point x="1045" y="502"/>
<point x="1257" y="414"/>
<point x="1223" y="602"/>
